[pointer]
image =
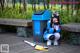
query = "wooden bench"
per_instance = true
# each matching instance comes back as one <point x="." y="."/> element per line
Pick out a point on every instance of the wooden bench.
<point x="74" y="32"/>
<point x="22" y="25"/>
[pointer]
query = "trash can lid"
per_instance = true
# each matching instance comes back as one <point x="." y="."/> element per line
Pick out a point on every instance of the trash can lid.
<point x="39" y="12"/>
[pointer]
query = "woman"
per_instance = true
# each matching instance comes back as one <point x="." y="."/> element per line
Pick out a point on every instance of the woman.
<point x="52" y="33"/>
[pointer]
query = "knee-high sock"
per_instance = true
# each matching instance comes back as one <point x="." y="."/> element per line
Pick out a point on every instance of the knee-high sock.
<point x="48" y="42"/>
<point x="57" y="37"/>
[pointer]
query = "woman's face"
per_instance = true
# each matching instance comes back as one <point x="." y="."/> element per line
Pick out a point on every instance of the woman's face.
<point x="55" y="20"/>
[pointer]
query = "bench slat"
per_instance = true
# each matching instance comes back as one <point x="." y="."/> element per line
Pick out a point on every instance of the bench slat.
<point x="72" y="27"/>
<point x="16" y="22"/>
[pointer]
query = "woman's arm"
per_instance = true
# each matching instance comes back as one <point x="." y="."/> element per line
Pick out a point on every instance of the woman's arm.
<point x="57" y="28"/>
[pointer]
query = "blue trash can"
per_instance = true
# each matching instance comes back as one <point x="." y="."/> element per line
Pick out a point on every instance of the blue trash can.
<point x="39" y="20"/>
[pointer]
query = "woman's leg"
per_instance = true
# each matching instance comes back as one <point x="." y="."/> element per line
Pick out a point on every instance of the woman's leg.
<point x="48" y="42"/>
<point x="57" y="37"/>
<point x="49" y="38"/>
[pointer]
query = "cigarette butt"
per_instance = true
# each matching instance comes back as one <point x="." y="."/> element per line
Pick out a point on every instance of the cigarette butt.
<point x="38" y="47"/>
<point x="32" y="44"/>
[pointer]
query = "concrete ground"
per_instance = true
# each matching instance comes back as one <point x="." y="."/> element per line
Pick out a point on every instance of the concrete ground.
<point x="16" y="45"/>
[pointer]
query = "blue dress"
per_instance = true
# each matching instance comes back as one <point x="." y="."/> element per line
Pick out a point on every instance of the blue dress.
<point x="50" y="30"/>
